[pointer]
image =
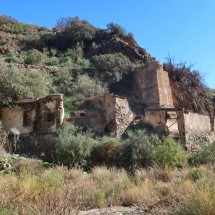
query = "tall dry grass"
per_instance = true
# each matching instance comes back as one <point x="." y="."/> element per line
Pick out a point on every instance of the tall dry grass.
<point x="32" y="189"/>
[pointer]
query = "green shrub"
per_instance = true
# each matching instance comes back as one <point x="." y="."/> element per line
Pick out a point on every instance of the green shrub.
<point x="170" y="153"/>
<point x="135" y="152"/>
<point x="75" y="53"/>
<point x="111" y="67"/>
<point x="206" y="156"/>
<point x="53" y="61"/>
<point x="88" y="87"/>
<point x="15" y="83"/>
<point x="104" y="153"/>
<point x="73" y="30"/>
<point x="11" y="57"/>
<point x="73" y="147"/>
<point x="67" y="61"/>
<point x="34" y="57"/>
<point x="116" y="29"/>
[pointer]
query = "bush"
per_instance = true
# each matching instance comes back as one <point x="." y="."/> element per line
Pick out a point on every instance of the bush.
<point x="53" y="61"/>
<point x="116" y="29"/>
<point x="170" y="153"/>
<point x="73" y="30"/>
<point x="104" y="153"/>
<point x="75" y="53"/>
<point x="88" y="87"/>
<point x="16" y="84"/>
<point x="34" y="57"/>
<point x="111" y="67"/>
<point x="67" y="61"/>
<point x="206" y="156"/>
<point x="135" y="152"/>
<point x="73" y="146"/>
<point x="11" y="57"/>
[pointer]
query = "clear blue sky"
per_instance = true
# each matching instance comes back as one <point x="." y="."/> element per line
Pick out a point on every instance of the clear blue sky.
<point x="184" y="29"/>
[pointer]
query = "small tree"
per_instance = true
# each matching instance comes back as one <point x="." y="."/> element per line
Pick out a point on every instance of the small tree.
<point x="73" y="30"/>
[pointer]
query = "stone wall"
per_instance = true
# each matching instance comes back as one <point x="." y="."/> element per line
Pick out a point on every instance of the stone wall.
<point x="163" y="121"/>
<point x="124" y="115"/>
<point x="30" y="115"/>
<point x="154" y="86"/>
<point x="105" y="114"/>
<point x="191" y="128"/>
<point x="197" y="129"/>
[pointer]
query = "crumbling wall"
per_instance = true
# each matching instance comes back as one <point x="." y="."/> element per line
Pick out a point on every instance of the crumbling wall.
<point x="14" y="118"/>
<point x="153" y="84"/>
<point x="124" y="115"/>
<point x="34" y="114"/>
<point x="163" y="121"/>
<point x="198" y="130"/>
<point x="105" y="114"/>
<point x="50" y="113"/>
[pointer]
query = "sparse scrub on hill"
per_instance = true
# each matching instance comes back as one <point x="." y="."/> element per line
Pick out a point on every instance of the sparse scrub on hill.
<point x="34" y="57"/>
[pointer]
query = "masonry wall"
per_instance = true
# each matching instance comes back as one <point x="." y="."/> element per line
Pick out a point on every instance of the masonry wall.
<point x="154" y="86"/>
<point x="124" y="116"/>
<point x="14" y="118"/>
<point x="30" y="115"/>
<point x="162" y="121"/>
<point x="105" y="114"/>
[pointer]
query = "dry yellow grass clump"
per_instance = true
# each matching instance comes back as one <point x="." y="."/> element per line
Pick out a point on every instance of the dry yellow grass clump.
<point x="33" y="189"/>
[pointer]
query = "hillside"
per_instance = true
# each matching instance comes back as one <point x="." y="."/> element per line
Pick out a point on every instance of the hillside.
<point x="82" y="61"/>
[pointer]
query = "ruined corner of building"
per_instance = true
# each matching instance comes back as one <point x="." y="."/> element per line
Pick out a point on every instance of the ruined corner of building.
<point x="155" y="105"/>
<point x="36" y="120"/>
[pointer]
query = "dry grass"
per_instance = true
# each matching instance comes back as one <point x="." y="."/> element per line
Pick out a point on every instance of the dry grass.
<point x="61" y="191"/>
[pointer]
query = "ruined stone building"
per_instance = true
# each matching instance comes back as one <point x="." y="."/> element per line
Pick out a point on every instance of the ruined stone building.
<point x="154" y="104"/>
<point x="33" y="114"/>
<point x="35" y="119"/>
<point x="105" y="114"/>
<point x="114" y="113"/>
